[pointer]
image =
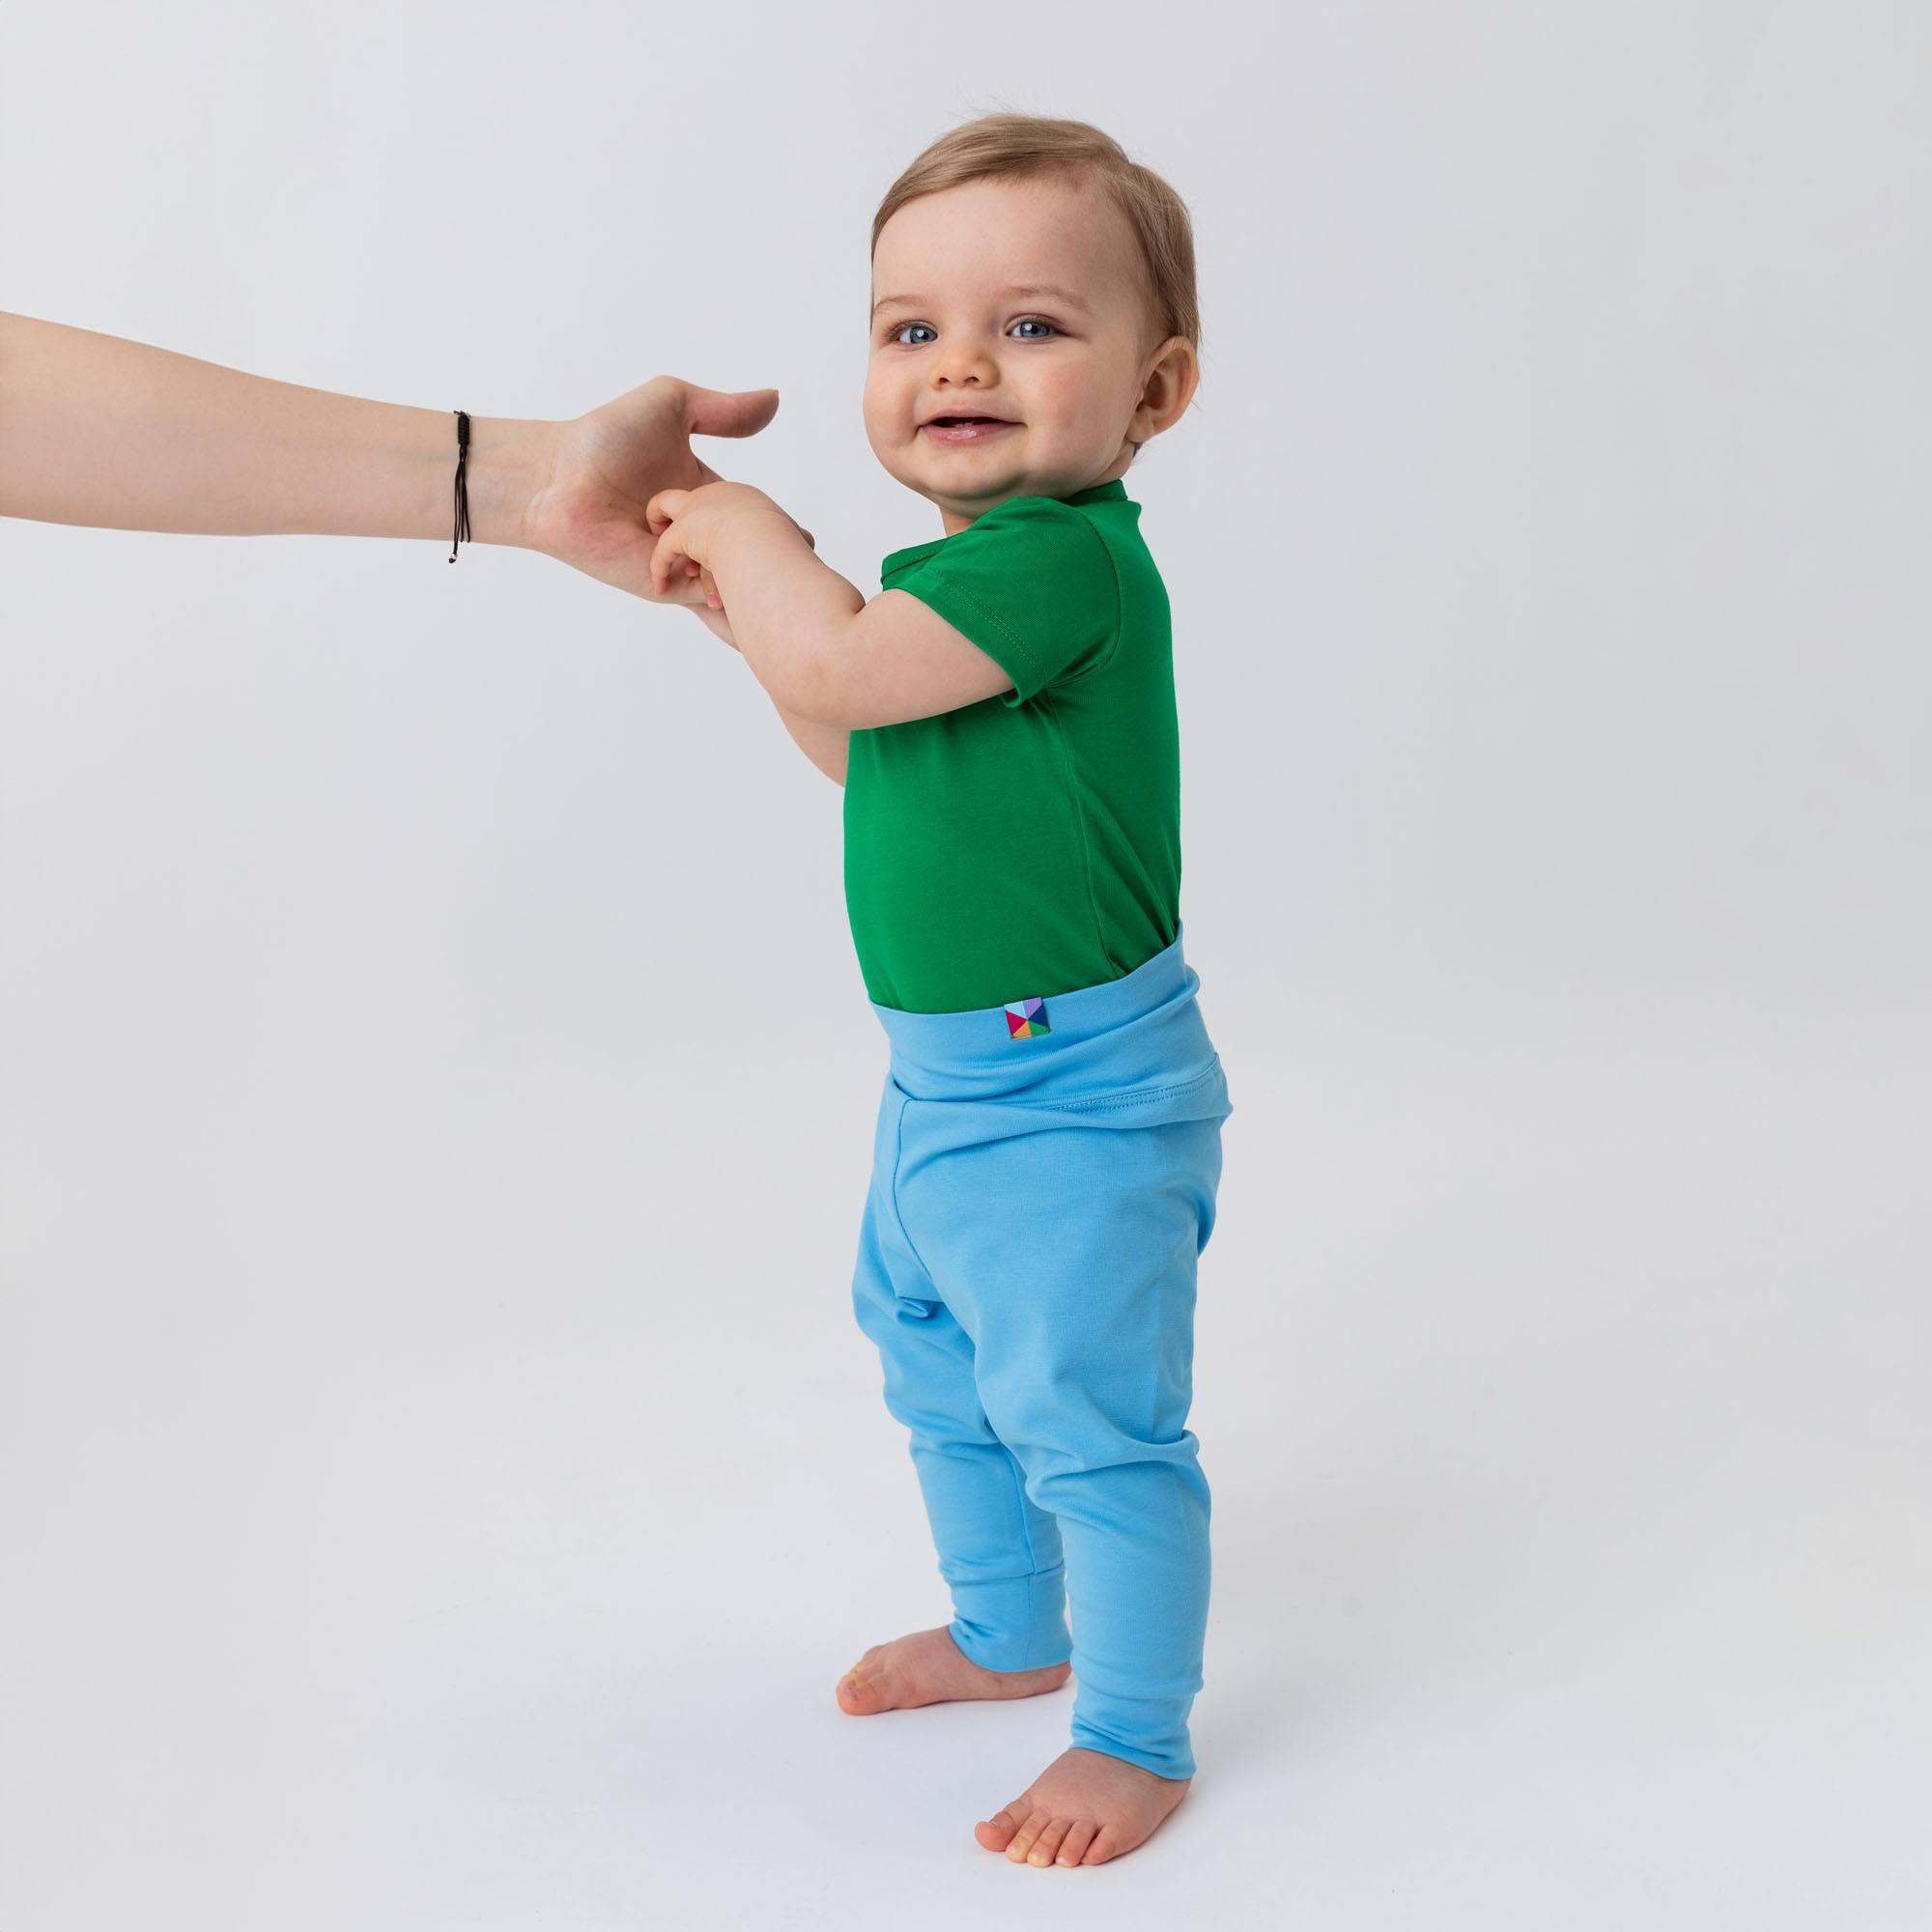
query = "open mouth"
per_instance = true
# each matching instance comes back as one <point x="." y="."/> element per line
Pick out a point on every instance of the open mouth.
<point x="966" y="428"/>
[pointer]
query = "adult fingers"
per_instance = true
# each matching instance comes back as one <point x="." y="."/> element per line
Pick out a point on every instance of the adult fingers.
<point x="727" y="411"/>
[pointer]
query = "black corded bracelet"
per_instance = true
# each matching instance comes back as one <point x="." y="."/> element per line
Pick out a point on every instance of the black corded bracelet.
<point x="461" y="534"/>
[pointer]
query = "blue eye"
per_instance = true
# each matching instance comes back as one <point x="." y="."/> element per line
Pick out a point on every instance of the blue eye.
<point x="1037" y="326"/>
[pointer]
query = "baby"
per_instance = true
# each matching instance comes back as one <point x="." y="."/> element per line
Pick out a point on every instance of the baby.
<point x="1048" y="1143"/>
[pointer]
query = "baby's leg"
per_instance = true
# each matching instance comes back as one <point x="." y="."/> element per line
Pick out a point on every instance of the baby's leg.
<point x="1069" y="1257"/>
<point x="998" y="1552"/>
<point x="1082" y="1314"/>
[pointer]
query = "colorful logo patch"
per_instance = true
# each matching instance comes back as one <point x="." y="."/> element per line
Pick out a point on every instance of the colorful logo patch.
<point x="1027" y="1017"/>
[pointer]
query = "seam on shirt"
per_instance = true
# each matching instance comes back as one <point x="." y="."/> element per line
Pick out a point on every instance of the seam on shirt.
<point x="1018" y="644"/>
<point x="1013" y="638"/>
<point x="1051" y="713"/>
<point x="1112" y="651"/>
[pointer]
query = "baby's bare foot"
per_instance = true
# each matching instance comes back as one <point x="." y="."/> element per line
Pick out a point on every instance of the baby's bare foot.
<point x="1083" y="1809"/>
<point x="928" y="1668"/>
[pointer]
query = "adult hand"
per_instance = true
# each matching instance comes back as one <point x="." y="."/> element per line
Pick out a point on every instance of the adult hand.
<point x="589" y="513"/>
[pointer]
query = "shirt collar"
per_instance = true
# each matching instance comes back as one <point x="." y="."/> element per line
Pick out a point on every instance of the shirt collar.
<point x="1115" y="492"/>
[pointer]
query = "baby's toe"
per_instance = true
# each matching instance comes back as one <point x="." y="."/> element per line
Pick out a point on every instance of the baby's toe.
<point x="996" y="1832"/>
<point x="1048" y="1842"/>
<point x="1030" y="1827"/>
<point x="1073" y="1847"/>
<point x="859" y="1696"/>
<point x="1103" y="1848"/>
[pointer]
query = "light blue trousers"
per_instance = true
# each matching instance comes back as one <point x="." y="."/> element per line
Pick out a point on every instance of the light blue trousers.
<point x="1044" y="1179"/>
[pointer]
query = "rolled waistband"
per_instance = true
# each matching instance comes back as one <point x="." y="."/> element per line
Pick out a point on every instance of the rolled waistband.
<point x="1142" y="1029"/>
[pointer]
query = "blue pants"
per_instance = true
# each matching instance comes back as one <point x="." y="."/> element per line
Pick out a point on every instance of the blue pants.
<point x="1044" y="1179"/>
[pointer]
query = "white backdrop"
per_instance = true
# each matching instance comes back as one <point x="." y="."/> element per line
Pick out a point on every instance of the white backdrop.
<point x="440" y="1475"/>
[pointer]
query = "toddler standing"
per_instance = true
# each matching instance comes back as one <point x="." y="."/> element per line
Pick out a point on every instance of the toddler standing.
<point x="1048" y="1143"/>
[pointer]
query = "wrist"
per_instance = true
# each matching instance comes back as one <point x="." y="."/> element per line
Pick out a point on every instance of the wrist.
<point x="755" y="527"/>
<point x="511" y="464"/>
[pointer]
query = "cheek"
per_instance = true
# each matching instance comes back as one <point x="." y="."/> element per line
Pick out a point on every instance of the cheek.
<point x="1062" y="399"/>
<point x="886" y="403"/>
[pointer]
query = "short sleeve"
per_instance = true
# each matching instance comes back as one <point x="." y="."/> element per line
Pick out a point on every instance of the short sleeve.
<point x="1033" y="584"/>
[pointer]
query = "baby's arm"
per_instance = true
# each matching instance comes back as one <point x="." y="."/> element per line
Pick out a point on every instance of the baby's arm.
<point x="826" y="745"/>
<point x="824" y="653"/>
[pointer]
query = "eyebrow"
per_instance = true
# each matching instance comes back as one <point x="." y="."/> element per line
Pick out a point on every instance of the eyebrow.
<point x="1047" y="289"/>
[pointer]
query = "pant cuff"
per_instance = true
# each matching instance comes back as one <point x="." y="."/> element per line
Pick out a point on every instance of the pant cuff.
<point x="1170" y="1756"/>
<point x="1019" y="1622"/>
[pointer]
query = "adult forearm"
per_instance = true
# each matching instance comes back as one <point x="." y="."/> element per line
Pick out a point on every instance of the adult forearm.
<point x="95" y="429"/>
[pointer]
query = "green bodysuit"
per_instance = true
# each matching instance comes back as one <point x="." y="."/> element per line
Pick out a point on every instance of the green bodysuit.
<point x="1030" y="844"/>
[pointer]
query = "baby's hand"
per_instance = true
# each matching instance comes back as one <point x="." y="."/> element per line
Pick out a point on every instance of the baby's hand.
<point x="687" y="522"/>
<point x="670" y="553"/>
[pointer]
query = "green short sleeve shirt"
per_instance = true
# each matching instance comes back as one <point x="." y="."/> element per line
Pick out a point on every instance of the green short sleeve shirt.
<point x="1030" y="844"/>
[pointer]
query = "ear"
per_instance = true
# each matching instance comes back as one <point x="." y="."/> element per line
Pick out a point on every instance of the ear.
<point x="1168" y="383"/>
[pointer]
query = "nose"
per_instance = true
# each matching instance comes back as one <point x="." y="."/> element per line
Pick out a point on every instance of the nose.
<point x="963" y="362"/>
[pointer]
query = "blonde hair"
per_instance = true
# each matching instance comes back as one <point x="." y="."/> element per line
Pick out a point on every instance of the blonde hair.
<point x="1023" y="146"/>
